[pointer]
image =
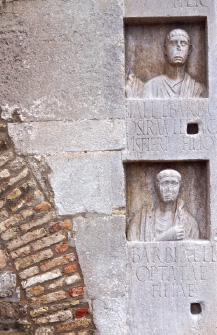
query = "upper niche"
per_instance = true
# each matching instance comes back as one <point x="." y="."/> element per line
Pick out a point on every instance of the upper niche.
<point x="166" y="61"/>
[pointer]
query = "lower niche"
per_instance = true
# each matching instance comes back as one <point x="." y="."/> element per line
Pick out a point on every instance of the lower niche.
<point x="167" y="201"/>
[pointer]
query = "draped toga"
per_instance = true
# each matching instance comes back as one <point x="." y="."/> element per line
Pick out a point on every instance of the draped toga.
<point x="144" y="227"/>
<point x="161" y="87"/>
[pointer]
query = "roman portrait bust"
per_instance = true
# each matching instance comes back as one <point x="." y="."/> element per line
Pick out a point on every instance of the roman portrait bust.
<point x="175" y="82"/>
<point x="168" y="219"/>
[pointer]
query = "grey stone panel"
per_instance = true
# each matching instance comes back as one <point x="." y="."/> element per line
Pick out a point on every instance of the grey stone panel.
<point x="87" y="182"/>
<point x="52" y="137"/>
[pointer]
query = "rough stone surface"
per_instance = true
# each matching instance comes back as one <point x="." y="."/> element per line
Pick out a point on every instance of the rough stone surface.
<point x="102" y="258"/>
<point x="8" y="284"/>
<point x="111" y="309"/>
<point x="87" y="136"/>
<point x="63" y="93"/>
<point x="102" y="254"/>
<point x="96" y="182"/>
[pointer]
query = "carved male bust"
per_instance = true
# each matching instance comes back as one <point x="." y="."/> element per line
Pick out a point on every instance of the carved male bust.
<point x="169" y="220"/>
<point x="175" y="83"/>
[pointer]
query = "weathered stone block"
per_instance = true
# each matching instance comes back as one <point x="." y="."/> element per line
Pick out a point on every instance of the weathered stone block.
<point x="87" y="136"/>
<point x="102" y="256"/>
<point x="8" y="284"/>
<point x="96" y="183"/>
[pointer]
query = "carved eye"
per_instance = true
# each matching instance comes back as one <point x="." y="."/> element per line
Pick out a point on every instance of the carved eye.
<point x="173" y="43"/>
<point x="183" y="43"/>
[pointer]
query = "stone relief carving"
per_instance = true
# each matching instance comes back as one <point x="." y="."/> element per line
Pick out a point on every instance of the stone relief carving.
<point x="169" y="220"/>
<point x="176" y="82"/>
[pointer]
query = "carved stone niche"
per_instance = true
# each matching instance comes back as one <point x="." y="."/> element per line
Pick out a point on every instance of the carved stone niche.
<point x="166" y="60"/>
<point x="171" y="258"/>
<point x="167" y="201"/>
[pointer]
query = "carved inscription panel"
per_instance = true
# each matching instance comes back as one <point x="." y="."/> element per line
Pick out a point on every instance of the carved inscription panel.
<point x="167" y="280"/>
<point x="191" y="3"/>
<point x="158" y="126"/>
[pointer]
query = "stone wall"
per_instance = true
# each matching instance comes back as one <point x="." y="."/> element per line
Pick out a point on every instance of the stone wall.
<point x="41" y="284"/>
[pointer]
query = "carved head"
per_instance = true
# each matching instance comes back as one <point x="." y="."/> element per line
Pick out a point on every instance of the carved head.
<point x="168" y="184"/>
<point x="177" y="47"/>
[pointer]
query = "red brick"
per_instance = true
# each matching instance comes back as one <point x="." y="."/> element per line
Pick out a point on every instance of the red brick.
<point x="76" y="291"/>
<point x="70" y="268"/>
<point x="58" y="261"/>
<point x="49" y="298"/>
<point x="61" y="248"/>
<point x="44" y="206"/>
<point x="55" y="227"/>
<point x="80" y="313"/>
<point x="67" y="225"/>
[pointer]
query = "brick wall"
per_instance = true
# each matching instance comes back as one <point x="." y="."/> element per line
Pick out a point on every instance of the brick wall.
<point x="42" y="289"/>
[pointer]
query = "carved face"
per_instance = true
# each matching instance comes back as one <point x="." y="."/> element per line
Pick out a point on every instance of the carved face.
<point x="168" y="189"/>
<point x="177" y="49"/>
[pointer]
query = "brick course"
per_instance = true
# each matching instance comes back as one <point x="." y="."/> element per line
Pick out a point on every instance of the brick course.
<point x="35" y="247"/>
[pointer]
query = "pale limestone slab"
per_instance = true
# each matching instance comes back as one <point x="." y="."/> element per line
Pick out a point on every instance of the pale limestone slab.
<point x="183" y="8"/>
<point x="91" y="182"/>
<point x="110" y="316"/>
<point x="52" y="137"/>
<point x="78" y="136"/>
<point x="165" y="278"/>
<point x="73" y="69"/>
<point x="101" y="247"/>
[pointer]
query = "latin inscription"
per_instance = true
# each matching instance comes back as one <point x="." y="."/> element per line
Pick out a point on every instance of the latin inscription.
<point x="191" y="3"/>
<point x="171" y="272"/>
<point x="153" y="125"/>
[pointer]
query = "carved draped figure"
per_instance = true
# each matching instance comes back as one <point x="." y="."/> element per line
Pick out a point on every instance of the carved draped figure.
<point x="143" y="226"/>
<point x="161" y="87"/>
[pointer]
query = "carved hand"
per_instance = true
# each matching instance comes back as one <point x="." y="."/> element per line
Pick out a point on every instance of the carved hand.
<point x="173" y="234"/>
